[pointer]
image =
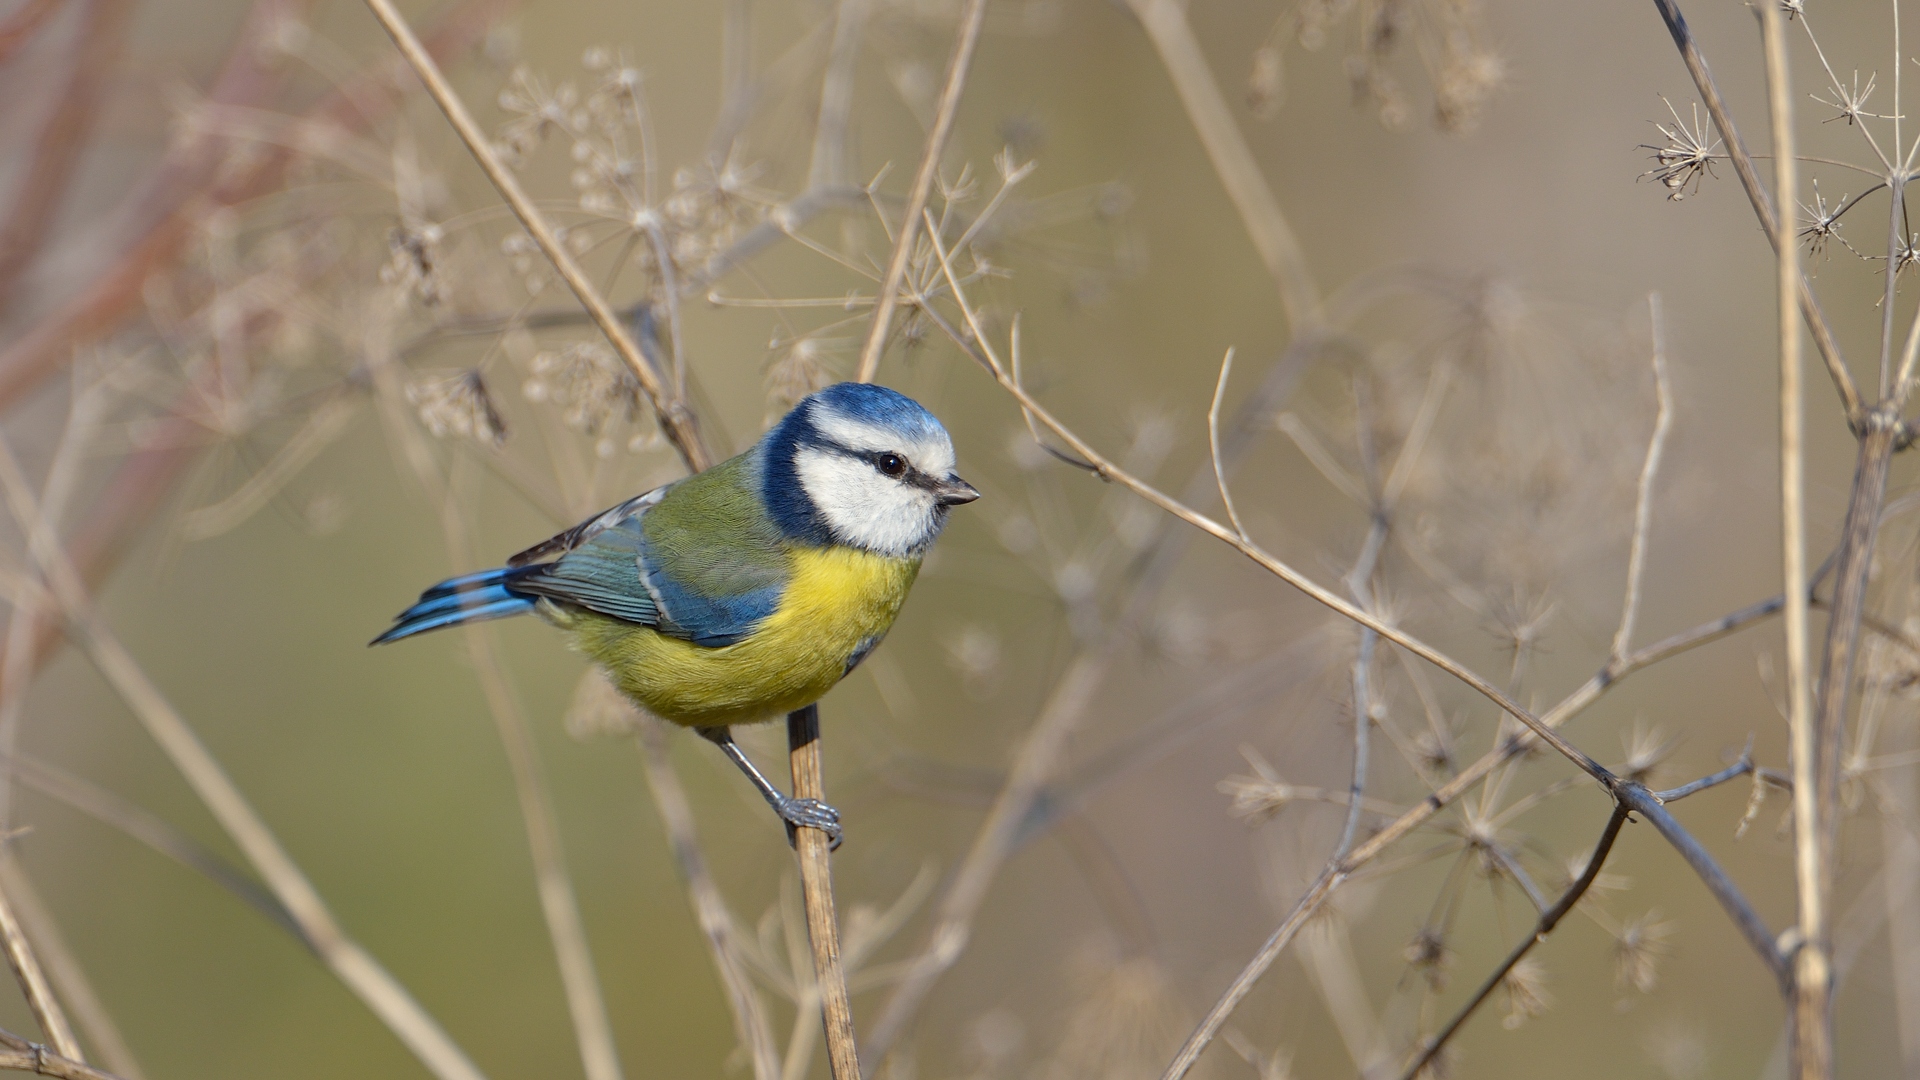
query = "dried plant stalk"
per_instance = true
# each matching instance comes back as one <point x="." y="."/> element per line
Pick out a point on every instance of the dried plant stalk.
<point x="676" y="419"/>
<point x="33" y="984"/>
<point x="816" y="883"/>
<point x="889" y="295"/>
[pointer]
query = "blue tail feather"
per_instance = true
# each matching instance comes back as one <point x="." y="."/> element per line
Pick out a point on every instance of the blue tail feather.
<point x="456" y="601"/>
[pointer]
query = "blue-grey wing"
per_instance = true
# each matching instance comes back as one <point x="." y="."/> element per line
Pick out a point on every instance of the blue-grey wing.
<point x="598" y="567"/>
<point x="617" y="565"/>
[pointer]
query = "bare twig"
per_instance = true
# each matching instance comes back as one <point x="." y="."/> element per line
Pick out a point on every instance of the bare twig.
<point x="146" y="828"/>
<point x="63" y="139"/>
<point x="709" y="909"/>
<point x="676" y="419"/>
<point x="23" y="24"/>
<point x="829" y="165"/>
<point x="1812" y="979"/>
<point x="1823" y="338"/>
<point x="1549" y="919"/>
<point x="33" y="984"/>
<point x="1643" y="503"/>
<point x="816" y="882"/>
<point x="957" y="65"/>
<point x="1541" y="727"/>
<point x="1213" y="443"/>
<point x="982" y="350"/>
<point x="69" y="979"/>
<point x="23" y="1056"/>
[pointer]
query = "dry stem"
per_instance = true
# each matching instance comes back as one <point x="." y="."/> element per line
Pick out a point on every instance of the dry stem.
<point x="1649" y="468"/>
<point x="62" y="141"/>
<point x="23" y="23"/>
<point x="69" y="979"/>
<point x="33" y="984"/>
<point x="676" y="420"/>
<point x="889" y="295"/>
<point x="816" y="882"/>
<point x="1812" y="980"/>
<point x="1762" y="206"/>
<point x="23" y="1056"/>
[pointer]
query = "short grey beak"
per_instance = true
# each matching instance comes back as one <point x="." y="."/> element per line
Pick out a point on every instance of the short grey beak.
<point x="954" y="491"/>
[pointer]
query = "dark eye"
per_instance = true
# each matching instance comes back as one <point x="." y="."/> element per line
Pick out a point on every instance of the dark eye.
<point x="890" y="463"/>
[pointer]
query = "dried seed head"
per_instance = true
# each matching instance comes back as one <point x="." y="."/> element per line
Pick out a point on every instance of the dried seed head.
<point x="1527" y="996"/>
<point x="459" y="405"/>
<point x="1687" y="155"/>
<point x="1427" y="954"/>
<point x="588" y="383"/>
<point x="796" y="371"/>
<point x="975" y="654"/>
<point x="1637" y="951"/>
<point x="1260" y="796"/>
<point x="1267" y="83"/>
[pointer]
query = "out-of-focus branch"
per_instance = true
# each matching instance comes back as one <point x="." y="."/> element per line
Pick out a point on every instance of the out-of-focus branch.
<point x="1166" y="25"/>
<point x="750" y="1024"/>
<point x="358" y="970"/>
<point x="980" y="349"/>
<point x="33" y="984"/>
<point x="62" y="140"/>
<point x="23" y="1056"/>
<point x="829" y="165"/>
<point x="23" y="24"/>
<point x="144" y="480"/>
<point x="1643" y="500"/>
<point x="889" y="295"/>
<point x="69" y="979"/>
<point x="676" y="419"/>
<point x="162" y="213"/>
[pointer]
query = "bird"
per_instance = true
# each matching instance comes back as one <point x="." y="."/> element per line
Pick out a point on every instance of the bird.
<point x="746" y="591"/>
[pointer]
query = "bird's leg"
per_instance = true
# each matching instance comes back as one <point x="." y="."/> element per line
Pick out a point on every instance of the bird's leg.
<point x="810" y="813"/>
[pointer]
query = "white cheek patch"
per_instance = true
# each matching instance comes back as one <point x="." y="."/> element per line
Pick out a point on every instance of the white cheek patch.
<point x="931" y="455"/>
<point x="862" y="507"/>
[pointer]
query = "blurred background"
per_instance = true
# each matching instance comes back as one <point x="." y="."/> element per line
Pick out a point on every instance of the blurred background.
<point x="278" y="359"/>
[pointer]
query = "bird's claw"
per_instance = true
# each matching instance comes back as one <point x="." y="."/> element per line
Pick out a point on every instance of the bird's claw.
<point x="810" y="814"/>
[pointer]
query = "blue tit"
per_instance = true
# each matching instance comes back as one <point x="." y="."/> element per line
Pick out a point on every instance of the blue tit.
<point x="746" y="591"/>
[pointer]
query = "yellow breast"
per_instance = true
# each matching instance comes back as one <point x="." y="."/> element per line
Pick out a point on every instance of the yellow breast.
<point x="838" y="602"/>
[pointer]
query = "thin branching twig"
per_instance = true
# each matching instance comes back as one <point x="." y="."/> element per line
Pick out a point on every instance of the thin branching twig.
<point x="971" y="19"/>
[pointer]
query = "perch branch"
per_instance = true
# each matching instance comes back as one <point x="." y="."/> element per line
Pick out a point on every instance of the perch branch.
<point x="816" y="882"/>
